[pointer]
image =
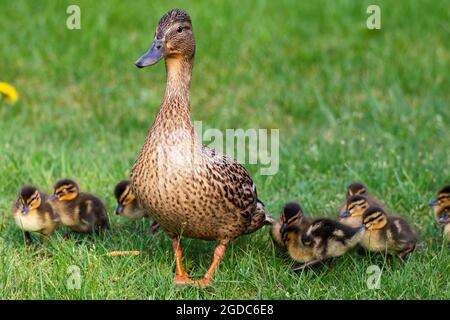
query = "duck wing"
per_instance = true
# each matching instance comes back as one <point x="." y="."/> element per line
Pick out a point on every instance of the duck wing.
<point x="235" y="185"/>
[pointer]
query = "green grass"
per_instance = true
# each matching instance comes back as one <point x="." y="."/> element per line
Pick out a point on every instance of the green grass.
<point x="351" y="104"/>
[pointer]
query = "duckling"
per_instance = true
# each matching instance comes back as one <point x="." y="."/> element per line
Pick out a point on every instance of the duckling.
<point x="392" y="235"/>
<point x="291" y="214"/>
<point x="358" y="188"/>
<point x="328" y="239"/>
<point x="33" y="213"/>
<point x="127" y="204"/>
<point x="353" y="212"/>
<point x="186" y="187"/>
<point x="81" y="212"/>
<point x="441" y="207"/>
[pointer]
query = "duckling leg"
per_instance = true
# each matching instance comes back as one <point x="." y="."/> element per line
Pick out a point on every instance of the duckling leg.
<point x="28" y="239"/>
<point x="219" y="251"/>
<point x="404" y="253"/>
<point x="308" y="264"/>
<point x="181" y="277"/>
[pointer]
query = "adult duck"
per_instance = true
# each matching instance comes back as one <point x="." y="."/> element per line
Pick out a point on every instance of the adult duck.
<point x="189" y="189"/>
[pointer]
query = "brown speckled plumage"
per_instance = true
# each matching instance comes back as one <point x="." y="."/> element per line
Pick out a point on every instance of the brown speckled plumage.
<point x="189" y="189"/>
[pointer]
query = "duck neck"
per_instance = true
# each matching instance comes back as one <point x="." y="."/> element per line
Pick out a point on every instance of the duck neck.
<point x="176" y="97"/>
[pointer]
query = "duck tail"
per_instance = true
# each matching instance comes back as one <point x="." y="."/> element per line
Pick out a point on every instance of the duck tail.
<point x="259" y="218"/>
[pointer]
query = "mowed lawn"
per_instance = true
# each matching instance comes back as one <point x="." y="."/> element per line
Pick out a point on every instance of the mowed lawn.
<point x="350" y="103"/>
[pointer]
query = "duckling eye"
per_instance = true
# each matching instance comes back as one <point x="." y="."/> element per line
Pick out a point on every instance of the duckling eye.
<point x="180" y="29"/>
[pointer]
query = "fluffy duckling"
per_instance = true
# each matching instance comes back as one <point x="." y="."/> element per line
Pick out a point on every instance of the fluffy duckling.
<point x="291" y="214"/>
<point x="33" y="213"/>
<point x="311" y="243"/>
<point x="81" y="212"/>
<point x="127" y="204"/>
<point x="354" y="209"/>
<point x="358" y="188"/>
<point x="393" y="235"/>
<point x="292" y="229"/>
<point x="328" y="238"/>
<point x="441" y="208"/>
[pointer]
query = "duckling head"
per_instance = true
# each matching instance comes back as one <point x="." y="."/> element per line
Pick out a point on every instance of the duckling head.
<point x="356" y="188"/>
<point x="355" y="206"/>
<point x="173" y="39"/>
<point x="123" y="195"/>
<point x="442" y="200"/>
<point x="29" y="199"/>
<point x="374" y="218"/>
<point x="291" y="214"/>
<point x="65" y="190"/>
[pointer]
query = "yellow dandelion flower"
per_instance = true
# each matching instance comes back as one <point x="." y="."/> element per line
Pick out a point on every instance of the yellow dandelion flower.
<point x="8" y="92"/>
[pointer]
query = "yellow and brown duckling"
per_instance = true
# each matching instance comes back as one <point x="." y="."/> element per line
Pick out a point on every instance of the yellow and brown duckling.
<point x="387" y="234"/>
<point x="33" y="213"/>
<point x="359" y="189"/>
<point x="318" y="240"/>
<point x="354" y="210"/>
<point x="80" y="211"/>
<point x="441" y="208"/>
<point x="291" y="214"/>
<point x="189" y="189"/>
<point x="292" y="230"/>
<point x="127" y="204"/>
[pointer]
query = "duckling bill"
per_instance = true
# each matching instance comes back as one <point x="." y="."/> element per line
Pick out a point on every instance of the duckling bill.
<point x="33" y="213"/>
<point x="128" y="206"/>
<point x="80" y="211"/>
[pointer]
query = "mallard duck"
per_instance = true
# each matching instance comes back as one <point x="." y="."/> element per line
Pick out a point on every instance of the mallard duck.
<point x="441" y="207"/>
<point x="33" y="213"/>
<point x="187" y="188"/>
<point x="80" y="211"/>
<point x="354" y="209"/>
<point x="388" y="234"/>
<point x="358" y="188"/>
<point x="291" y="214"/>
<point x="127" y="204"/>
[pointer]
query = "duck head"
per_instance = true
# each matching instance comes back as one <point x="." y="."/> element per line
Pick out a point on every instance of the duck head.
<point x="29" y="199"/>
<point x="442" y="200"/>
<point x="291" y="214"/>
<point x="374" y="218"/>
<point x="123" y="195"/>
<point x="173" y="39"/>
<point x="356" y="188"/>
<point x="355" y="206"/>
<point x="65" y="190"/>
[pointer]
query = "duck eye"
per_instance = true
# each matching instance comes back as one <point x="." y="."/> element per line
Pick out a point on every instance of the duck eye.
<point x="180" y="29"/>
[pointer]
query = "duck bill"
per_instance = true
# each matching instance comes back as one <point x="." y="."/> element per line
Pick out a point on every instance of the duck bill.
<point x="152" y="56"/>
<point x="283" y="227"/>
<point x="119" y="209"/>
<point x="433" y="203"/>
<point x="345" y="214"/>
<point x="444" y="220"/>
<point x="25" y="210"/>
<point x="53" y="197"/>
